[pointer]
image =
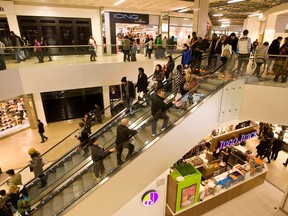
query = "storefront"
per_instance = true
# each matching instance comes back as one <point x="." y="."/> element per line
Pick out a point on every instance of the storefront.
<point x="135" y="25"/>
<point x="17" y="114"/>
<point x="215" y="171"/>
<point x="180" y="28"/>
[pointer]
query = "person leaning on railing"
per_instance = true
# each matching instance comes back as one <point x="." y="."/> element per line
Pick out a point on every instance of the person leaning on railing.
<point x="260" y="57"/>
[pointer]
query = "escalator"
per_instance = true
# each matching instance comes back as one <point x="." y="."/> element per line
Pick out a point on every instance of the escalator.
<point x="79" y="182"/>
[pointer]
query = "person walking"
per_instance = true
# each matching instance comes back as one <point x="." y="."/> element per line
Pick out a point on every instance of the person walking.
<point x="98" y="154"/>
<point x="128" y="93"/>
<point x="92" y="48"/>
<point x="36" y="165"/>
<point x="38" y="51"/>
<point x="158" y="110"/>
<point x="276" y="147"/>
<point x="43" y="42"/>
<point x="123" y="136"/>
<point x="16" y="42"/>
<point x="41" y="131"/>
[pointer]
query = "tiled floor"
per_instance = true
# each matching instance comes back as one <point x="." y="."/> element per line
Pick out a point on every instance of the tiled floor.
<point x="263" y="200"/>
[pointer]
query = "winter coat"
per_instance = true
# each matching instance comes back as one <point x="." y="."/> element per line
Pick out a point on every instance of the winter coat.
<point x="124" y="134"/>
<point x="186" y="57"/>
<point x="131" y="90"/>
<point x="37" y="164"/>
<point x="98" y="153"/>
<point x="274" y="48"/>
<point x="158" y="105"/>
<point x="41" y="127"/>
<point x="142" y="83"/>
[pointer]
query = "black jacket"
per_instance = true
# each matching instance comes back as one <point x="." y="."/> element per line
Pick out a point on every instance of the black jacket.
<point x="131" y="89"/>
<point x="41" y="127"/>
<point x="274" y="48"/>
<point x="158" y="105"/>
<point x="124" y="134"/>
<point x="98" y="153"/>
<point x="142" y="83"/>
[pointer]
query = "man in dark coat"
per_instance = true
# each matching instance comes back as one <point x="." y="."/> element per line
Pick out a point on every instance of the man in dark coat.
<point x="128" y="92"/>
<point x="98" y="154"/>
<point x="233" y="41"/>
<point x="41" y="131"/>
<point x="274" y="49"/>
<point x="16" y="41"/>
<point x="142" y="83"/>
<point x="83" y="137"/>
<point x="123" y="136"/>
<point x="158" y="110"/>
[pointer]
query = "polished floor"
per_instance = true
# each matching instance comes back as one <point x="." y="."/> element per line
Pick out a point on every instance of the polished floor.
<point x="263" y="200"/>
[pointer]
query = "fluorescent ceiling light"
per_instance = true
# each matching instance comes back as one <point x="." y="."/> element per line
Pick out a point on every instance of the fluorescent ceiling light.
<point x="234" y="1"/>
<point x="253" y="15"/>
<point x="183" y="10"/>
<point x="226" y="25"/>
<point x="119" y="2"/>
<point x="217" y="15"/>
<point x="225" y="22"/>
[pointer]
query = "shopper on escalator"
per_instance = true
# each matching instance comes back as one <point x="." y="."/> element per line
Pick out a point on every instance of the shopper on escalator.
<point x="83" y="137"/>
<point x="98" y="154"/>
<point x="124" y="134"/>
<point x="158" y="110"/>
<point x="141" y="85"/>
<point x="36" y="165"/>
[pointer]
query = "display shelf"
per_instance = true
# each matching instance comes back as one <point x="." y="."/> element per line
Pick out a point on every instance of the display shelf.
<point x="223" y="195"/>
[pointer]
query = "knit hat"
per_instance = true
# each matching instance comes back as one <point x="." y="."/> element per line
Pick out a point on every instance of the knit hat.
<point x="124" y="79"/>
<point x="31" y="151"/>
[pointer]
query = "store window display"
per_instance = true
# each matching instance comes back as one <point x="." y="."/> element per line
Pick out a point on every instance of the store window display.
<point x="13" y="116"/>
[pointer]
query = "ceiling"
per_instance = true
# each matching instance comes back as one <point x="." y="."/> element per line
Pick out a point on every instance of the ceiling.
<point x="236" y="12"/>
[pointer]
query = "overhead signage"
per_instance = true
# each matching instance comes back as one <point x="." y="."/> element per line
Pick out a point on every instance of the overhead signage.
<point x="149" y="198"/>
<point x="234" y="141"/>
<point x="129" y="18"/>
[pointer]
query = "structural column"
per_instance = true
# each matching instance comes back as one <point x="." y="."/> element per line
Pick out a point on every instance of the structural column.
<point x="106" y="100"/>
<point x="200" y="17"/>
<point x="270" y="27"/>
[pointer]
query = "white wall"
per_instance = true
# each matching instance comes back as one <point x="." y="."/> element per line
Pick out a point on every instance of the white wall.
<point x="265" y="103"/>
<point x="135" y="203"/>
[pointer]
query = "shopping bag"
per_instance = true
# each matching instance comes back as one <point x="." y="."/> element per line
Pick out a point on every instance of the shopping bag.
<point x="178" y="100"/>
<point x="23" y="204"/>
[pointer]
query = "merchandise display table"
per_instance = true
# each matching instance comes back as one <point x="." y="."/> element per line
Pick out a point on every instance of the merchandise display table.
<point x="222" y="195"/>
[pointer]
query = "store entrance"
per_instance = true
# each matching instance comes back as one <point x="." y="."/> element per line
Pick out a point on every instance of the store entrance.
<point x="70" y="104"/>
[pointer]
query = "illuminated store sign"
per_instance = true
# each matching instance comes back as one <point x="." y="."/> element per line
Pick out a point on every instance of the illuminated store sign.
<point x="129" y="18"/>
<point x="149" y="198"/>
<point x="234" y="141"/>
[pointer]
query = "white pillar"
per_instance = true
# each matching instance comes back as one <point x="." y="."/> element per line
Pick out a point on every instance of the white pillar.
<point x="39" y="107"/>
<point x="106" y="100"/>
<point x="270" y="27"/>
<point x="252" y="24"/>
<point x="200" y="17"/>
<point x="97" y="30"/>
<point x="107" y="32"/>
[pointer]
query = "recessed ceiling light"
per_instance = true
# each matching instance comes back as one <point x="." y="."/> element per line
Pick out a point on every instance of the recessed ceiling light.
<point x="217" y="15"/>
<point x="234" y="1"/>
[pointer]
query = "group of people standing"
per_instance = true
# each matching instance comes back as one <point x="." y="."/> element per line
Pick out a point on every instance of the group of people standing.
<point x="226" y="50"/>
<point x="269" y="145"/>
